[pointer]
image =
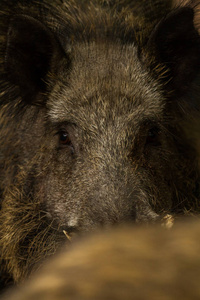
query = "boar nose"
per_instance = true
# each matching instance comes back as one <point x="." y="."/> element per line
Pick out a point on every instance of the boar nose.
<point x="145" y="214"/>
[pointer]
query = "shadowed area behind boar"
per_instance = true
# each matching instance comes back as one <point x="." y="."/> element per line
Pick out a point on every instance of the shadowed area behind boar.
<point x="94" y="101"/>
<point x="124" y="263"/>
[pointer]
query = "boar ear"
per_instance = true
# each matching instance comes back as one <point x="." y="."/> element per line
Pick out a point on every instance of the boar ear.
<point x="31" y="52"/>
<point x="177" y="45"/>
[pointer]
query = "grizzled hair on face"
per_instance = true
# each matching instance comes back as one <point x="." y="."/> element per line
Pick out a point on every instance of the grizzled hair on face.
<point x="94" y="98"/>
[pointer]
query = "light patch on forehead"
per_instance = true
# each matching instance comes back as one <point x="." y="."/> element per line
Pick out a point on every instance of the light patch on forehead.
<point x="113" y="77"/>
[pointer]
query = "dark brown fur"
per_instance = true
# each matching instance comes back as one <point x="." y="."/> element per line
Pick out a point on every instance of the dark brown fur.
<point x="118" y="82"/>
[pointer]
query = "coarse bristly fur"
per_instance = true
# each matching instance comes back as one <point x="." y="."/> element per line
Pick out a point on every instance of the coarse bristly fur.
<point x="94" y="96"/>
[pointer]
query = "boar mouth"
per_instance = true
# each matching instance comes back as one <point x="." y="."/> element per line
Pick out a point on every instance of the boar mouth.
<point x="68" y="236"/>
<point x="70" y="233"/>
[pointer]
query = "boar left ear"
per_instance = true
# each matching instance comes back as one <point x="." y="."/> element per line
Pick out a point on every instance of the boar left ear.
<point x="31" y="52"/>
<point x="176" y="44"/>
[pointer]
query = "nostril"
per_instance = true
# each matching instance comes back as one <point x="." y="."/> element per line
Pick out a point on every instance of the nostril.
<point x="145" y="214"/>
<point x="155" y="218"/>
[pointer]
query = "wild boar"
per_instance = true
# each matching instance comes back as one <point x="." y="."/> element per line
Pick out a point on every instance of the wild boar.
<point x="93" y="98"/>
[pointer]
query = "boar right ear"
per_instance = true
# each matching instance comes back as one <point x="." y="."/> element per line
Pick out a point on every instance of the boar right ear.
<point x="31" y="52"/>
<point x="176" y="44"/>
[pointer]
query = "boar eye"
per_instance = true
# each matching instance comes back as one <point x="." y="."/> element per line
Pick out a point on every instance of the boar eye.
<point x="64" y="138"/>
<point x="153" y="136"/>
